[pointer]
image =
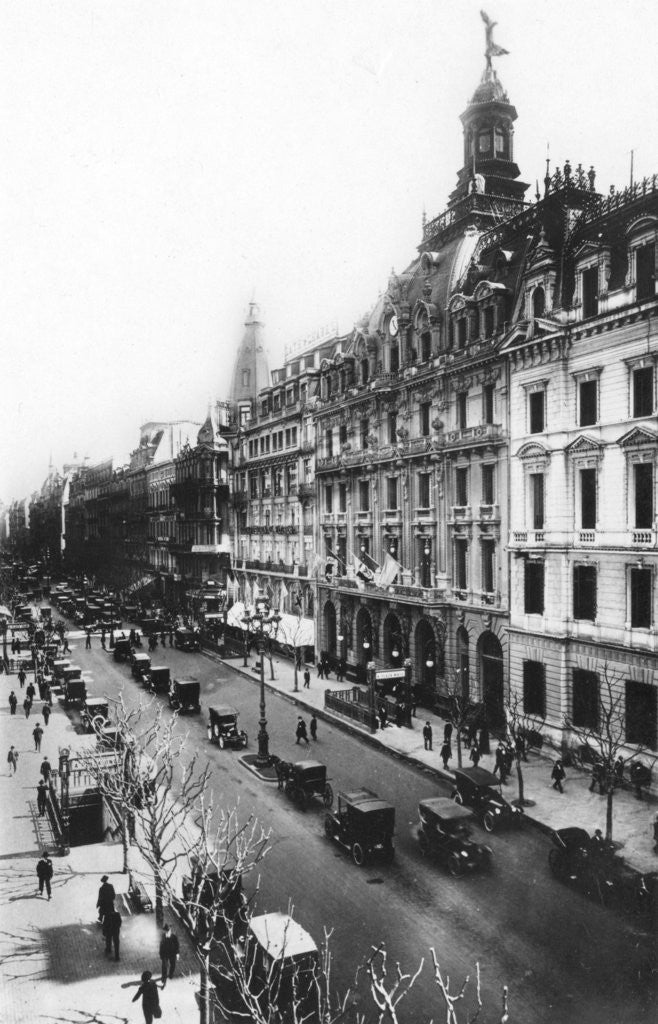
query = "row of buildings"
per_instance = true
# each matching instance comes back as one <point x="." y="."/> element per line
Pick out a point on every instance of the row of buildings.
<point x="486" y="435"/>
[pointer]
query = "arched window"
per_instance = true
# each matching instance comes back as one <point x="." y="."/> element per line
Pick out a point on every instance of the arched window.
<point x="538" y="302"/>
<point x="364" y="370"/>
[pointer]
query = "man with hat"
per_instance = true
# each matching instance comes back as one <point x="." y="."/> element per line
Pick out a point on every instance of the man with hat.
<point x="105" y="901"/>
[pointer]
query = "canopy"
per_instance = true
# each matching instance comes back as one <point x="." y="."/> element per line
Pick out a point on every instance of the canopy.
<point x="281" y="937"/>
<point x="292" y="630"/>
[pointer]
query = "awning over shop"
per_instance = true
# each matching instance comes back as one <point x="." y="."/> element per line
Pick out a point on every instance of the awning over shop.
<point x="298" y="632"/>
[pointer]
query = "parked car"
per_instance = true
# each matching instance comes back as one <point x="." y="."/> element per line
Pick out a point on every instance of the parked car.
<point x="223" y="727"/>
<point x="363" y="824"/>
<point x="302" y="780"/>
<point x="184" y="695"/>
<point x="444" y="833"/>
<point x="212" y="898"/>
<point x="59" y="664"/>
<point x="75" y="691"/>
<point x="95" y="713"/>
<point x="282" y="959"/>
<point x="158" y="679"/>
<point x="186" y="639"/>
<point x="141" y="664"/>
<point x="480" y="789"/>
<point x="149" y="624"/>
<point x="121" y="650"/>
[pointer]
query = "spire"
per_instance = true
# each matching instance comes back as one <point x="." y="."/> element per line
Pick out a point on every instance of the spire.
<point x="251" y="372"/>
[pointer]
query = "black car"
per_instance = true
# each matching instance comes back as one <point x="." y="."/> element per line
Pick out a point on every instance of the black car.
<point x="121" y="650"/>
<point x="184" y="695"/>
<point x="95" y="713"/>
<point x="158" y="679"/>
<point x="212" y="897"/>
<point x="444" y="833"/>
<point x="141" y="665"/>
<point x="186" y="639"/>
<point x="480" y="789"/>
<point x="302" y="780"/>
<point x="223" y="727"/>
<point x="363" y="824"/>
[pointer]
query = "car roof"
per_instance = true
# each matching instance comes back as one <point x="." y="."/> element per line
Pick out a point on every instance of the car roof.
<point x="445" y="808"/>
<point x="478" y="776"/>
<point x="142" y="656"/>
<point x="159" y="668"/>
<point x="365" y="800"/>
<point x="187" y="682"/>
<point x="183" y="629"/>
<point x="223" y="709"/>
<point x="306" y="765"/>
<point x="95" y="700"/>
<point x="280" y="936"/>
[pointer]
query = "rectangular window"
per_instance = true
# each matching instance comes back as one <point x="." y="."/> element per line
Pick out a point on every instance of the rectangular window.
<point x="392" y="428"/>
<point x="536" y="406"/>
<point x="461" y="564"/>
<point x="643" y="391"/>
<point x="423" y="490"/>
<point x="425" y="411"/>
<point x="461" y="333"/>
<point x="287" y="438"/>
<point x="395" y="358"/>
<point x="364" y="495"/>
<point x="488" y="392"/>
<point x="534" y="588"/>
<point x="585" y="699"/>
<point x="534" y="689"/>
<point x="588" y="499"/>
<point x="643" y="480"/>
<point x="588" y="402"/>
<point x="590" y="283"/>
<point x="641" y="598"/>
<point x="537" y="499"/>
<point x="461" y="487"/>
<point x="462" y="409"/>
<point x="641" y="714"/>
<point x="329" y="498"/>
<point x="426" y="346"/>
<point x="342" y="433"/>
<point x="342" y="497"/>
<point x="253" y="487"/>
<point x="293" y="436"/>
<point x="488" y="321"/>
<point x="392" y="493"/>
<point x="645" y="272"/>
<point x="365" y="430"/>
<point x="488" y="566"/>
<point x="584" y="592"/>
<point x="329" y="443"/>
<point x="488" y="489"/>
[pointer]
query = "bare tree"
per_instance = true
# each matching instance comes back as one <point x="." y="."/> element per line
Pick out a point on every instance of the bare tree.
<point x="459" y="713"/>
<point x="521" y="726"/>
<point x="606" y="736"/>
<point x="289" y="637"/>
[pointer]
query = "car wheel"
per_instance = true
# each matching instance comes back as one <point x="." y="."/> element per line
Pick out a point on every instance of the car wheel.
<point x="489" y="821"/>
<point x="97" y="723"/>
<point x="423" y="843"/>
<point x="222" y="742"/>
<point x="455" y="865"/>
<point x="328" y="796"/>
<point x="244" y="739"/>
<point x="457" y="797"/>
<point x="358" y="855"/>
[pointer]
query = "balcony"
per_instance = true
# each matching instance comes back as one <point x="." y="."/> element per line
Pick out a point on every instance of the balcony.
<point x="305" y="491"/>
<point x="461" y="513"/>
<point x="587" y="536"/>
<point x="489" y="512"/>
<point x="484" y="433"/>
<point x="643" y="538"/>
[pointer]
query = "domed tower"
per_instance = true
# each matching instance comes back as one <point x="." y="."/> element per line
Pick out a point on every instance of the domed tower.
<point x="489" y="135"/>
<point x="251" y="372"/>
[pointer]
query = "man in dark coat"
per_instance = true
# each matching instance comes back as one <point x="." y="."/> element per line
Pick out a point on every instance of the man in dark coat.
<point x="45" y="769"/>
<point x="314" y="727"/>
<point x="148" y="990"/>
<point x="13" y="701"/>
<point x="105" y="901"/>
<point x="112" y="931"/>
<point x="45" y="711"/>
<point x="42" y="797"/>
<point x="300" y="731"/>
<point x="44" y="873"/>
<point x="37" y="734"/>
<point x="427" y="736"/>
<point x="169" y="950"/>
<point x="21" y="676"/>
<point x="307" y="679"/>
<point x="27" y="706"/>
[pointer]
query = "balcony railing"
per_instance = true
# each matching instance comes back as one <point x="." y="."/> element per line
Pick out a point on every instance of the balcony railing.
<point x="643" y="538"/>
<point x="587" y="536"/>
<point x="483" y="433"/>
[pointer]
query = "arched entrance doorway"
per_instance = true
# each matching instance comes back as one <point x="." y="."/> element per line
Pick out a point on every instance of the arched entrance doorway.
<point x="463" y="669"/>
<point x="330" y="628"/>
<point x="426" y="663"/>
<point x="393" y="641"/>
<point x="364" y="640"/>
<point x="491" y="676"/>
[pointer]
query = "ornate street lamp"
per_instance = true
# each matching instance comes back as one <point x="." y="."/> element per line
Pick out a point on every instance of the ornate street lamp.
<point x="263" y="623"/>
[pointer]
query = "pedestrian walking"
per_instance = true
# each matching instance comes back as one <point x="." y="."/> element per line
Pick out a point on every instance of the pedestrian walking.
<point x="87" y="640"/>
<point x="521" y="747"/>
<point x="427" y="736"/>
<point x="447" y="732"/>
<point x="37" y="734"/>
<point x="65" y="641"/>
<point x="340" y="670"/>
<point x="320" y="669"/>
<point x="12" y="760"/>
<point x="44" y="873"/>
<point x="314" y="727"/>
<point x="42" y="797"/>
<point x="383" y="715"/>
<point x="148" y="990"/>
<point x="171" y="636"/>
<point x="499" y="766"/>
<point x="103" y="632"/>
<point x="307" y="679"/>
<point x="619" y="771"/>
<point x="558" y="775"/>
<point x="112" y="932"/>
<point x="169" y="950"/>
<point x="598" y="778"/>
<point x="21" y="676"/>
<point x="105" y="901"/>
<point x="27" y="706"/>
<point x="445" y="754"/>
<point x="13" y="701"/>
<point x="45" y="711"/>
<point x="47" y="693"/>
<point x="300" y="732"/>
<point x="46" y="769"/>
<point x="475" y="755"/>
<point x="30" y="692"/>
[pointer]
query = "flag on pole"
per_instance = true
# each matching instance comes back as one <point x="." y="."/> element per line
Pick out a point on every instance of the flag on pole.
<point x="283" y="593"/>
<point x="255" y="592"/>
<point x="365" y="567"/>
<point x="318" y="563"/>
<point x="336" y="557"/>
<point x="388" y="571"/>
<point x="247" y="592"/>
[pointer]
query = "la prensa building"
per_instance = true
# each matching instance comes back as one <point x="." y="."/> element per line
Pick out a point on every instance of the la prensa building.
<point x="491" y="425"/>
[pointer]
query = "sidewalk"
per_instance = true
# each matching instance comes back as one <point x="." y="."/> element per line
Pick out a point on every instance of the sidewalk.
<point x="53" y="965"/>
<point x="632" y="818"/>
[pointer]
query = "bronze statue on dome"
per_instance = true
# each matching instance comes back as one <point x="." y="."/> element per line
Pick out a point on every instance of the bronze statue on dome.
<point x="492" y="50"/>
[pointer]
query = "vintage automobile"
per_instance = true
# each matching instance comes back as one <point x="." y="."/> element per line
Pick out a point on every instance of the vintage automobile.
<point x="186" y="639"/>
<point x="444" y="833"/>
<point x="212" y="898"/>
<point x="141" y="664"/>
<point x="158" y="679"/>
<point x="480" y="789"/>
<point x="184" y="695"/>
<point x="121" y="650"/>
<point x="75" y="691"/>
<point x="59" y="664"/>
<point x="363" y="824"/>
<point x="223" y="727"/>
<point x="282" y="959"/>
<point x="302" y="780"/>
<point x="150" y="624"/>
<point x="591" y="865"/>
<point x="95" y="712"/>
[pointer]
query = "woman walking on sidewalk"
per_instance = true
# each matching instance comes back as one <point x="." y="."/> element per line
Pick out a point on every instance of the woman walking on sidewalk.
<point x="148" y="990"/>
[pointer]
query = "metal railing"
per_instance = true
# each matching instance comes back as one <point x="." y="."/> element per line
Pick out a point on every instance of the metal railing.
<point x="352" y="703"/>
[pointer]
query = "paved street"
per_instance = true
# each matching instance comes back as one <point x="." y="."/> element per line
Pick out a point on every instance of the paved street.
<point x="555" y="949"/>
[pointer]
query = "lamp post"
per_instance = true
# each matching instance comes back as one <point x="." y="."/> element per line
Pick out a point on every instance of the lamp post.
<point x="263" y="622"/>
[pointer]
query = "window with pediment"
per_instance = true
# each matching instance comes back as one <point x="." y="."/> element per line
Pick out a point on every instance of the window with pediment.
<point x="640" y="449"/>
<point x="642" y="238"/>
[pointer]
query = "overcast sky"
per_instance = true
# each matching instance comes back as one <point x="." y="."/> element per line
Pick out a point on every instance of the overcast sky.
<point x="163" y="161"/>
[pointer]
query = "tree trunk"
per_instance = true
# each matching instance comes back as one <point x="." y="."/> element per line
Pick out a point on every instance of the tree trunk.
<point x="459" y="747"/>
<point x="608" y="809"/>
<point x="519" y="776"/>
<point x="125" y="839"/>
<point x="205" y="1006"/>
<point x="296" y="687"/>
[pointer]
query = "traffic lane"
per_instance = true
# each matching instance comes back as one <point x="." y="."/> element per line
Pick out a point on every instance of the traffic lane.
<point x="524" y="927"/>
